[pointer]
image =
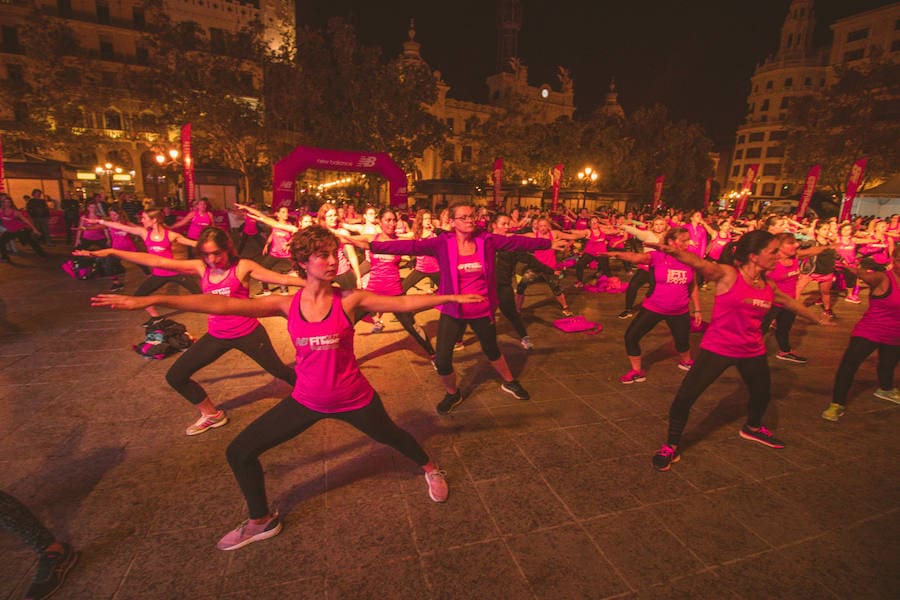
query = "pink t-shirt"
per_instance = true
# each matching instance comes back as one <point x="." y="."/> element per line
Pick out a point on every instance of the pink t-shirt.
<point x="785" y="277"/>
<point x="472" y="281"/>
<point x="328" y="376"/>
<point x="671" y="285"/>
<point x="121" y="240"/>
<point x="596" y="243"/>
<point x="881" y="321"/>
<point x="228" y="327"/>
<point x="161" y="248"/>
<point x="846" y="251"/>
<point x="384" y="274"/>
<point x="250" y="227"/>
<point x="94" y="234"/>
<point x="199" y="222"/>
<point x="548" y="255"/>
<point x="12" y="223"/>
<point x="427" y="264"/>
<point x="735" y="329"/>
<point x="280" y="242"/>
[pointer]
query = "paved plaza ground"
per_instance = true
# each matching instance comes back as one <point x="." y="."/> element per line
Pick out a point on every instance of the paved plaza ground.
<point x="551" y="498"/>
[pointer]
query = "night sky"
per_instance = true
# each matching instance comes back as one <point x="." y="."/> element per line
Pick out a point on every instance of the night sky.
<point x="694" y="56"/>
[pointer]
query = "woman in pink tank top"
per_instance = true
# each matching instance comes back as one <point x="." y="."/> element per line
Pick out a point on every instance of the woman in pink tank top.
<point x="543" y="230"/>
<point x="426" y="266"/>
<point x="222" y="273"/>
<point x="118" y="240"/>
<point x="878" y="329"/>
<point x="198" y="219"/>
<point x="734" y="337"/>
<point x="329" y="382"/>
<point x="349" y="275"/>
<point x="16" y="225"/>
<point x="595" y="246"/>
<point x="672" y="291"/>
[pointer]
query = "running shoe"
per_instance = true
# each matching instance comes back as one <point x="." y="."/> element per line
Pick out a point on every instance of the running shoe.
<point x="665" y="456"/>
<point x="526" y="343"/>
<point x="852" y="299"/>
<point x="249" y="532"/>
<point x="633" y="376"/>
<point x="892" y="395"/>
<point x="834" y="412"/>
<point x="207" y="422"/>
<point x="458" y="346"/>
<point x="626" y="314"/>
<point x="791" y="357"/>
<point x="579" y="284"/>
<point x="116" y="286"/>
<point x="762" y="436"/>
<point x="449" y="402"/>
<point x="685" y="365"/>
<point x="515" y="388"/>
<point x="262" y="294"/>
<point x="437" y="485"/>
<point x="378" y="327"/>
<point x="566" y="312"/>
<point x="829" y="313"/>
<point x="284" y="292"/>
<point x="52" y="569"/>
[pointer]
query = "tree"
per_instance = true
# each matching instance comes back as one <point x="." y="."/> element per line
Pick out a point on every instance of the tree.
<point x="857" y="117"/>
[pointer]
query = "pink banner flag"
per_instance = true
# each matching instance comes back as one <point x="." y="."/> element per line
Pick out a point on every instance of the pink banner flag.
<point x="555" y="183"/>
<point x="2" y="180"/>
<point x="498" y="181"/>
<point x="187" y="157"/>
<point x="657" y="192"/>
<point x="707" y="190"/>
<point x="749" y="178"/>
<point x="857" y="171"/>
<point x="812" y="178"/>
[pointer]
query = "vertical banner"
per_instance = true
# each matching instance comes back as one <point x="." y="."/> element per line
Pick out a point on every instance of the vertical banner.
<point x="856" y="176"/>
<point x="812" y="178"/>
<point x="657" y="192"/>
<point x="749" y="178"/>
<point x="2" y="183"/>
<point x="555" y="183"/>
<point x="187" y="157"/>
<point x="498" y="181"/>
<point x="707" y="190"/>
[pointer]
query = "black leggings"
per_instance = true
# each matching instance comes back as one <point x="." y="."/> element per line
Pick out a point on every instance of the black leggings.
<point x="529" y="277"/>
<point x="586" y="259"/>
<point x="857" y="351"/>
<point x="274" y="263"/>
<point x="244" y="237"/>
<point x="154" y="282"/>
<point x="707" y="368"/>
<point x="24" y="236"/>
<point x="16" y="518"/>
<point x="449" y="331"/>
<point x="508" y="307"/>
<point x="414" y="277"/>
<point x="784" y="320"/>
<point x="646" y="320"/>
<point x="408" y="321"/>
<point x="207" y="349"/>
<point x="288" y="419"/>
<point x="640" y="278"/>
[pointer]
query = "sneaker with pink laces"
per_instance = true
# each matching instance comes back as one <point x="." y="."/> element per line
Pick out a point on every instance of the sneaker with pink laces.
<point x="685" y="365"/>
<point x="207" y="422"/>
<point x="437" y="485"/>
<point x="249" y="532"/>
<point x="761" y="436"/>
<point x="633" y="376"/>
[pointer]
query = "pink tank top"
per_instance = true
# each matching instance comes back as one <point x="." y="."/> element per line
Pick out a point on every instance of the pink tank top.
<point x="735" y="329"/>
<point x="717" y="246"/>
<point x="672" y="284"/>
<point x="228" y="327"/>
<point x="548" y="255"/>
<point x="199" y="222"/>
<point x="161" y="248"/>
<point x="250" y="226"/>
<point x="279" y="243"/>
<point x="881" y="321"/>
<point x="384" y="274"/>
<point x="596" y="244"/>
<point x="427" y="264"/>
<point x="785" y="277"/>
<point x="847" y="252"/>
<point x="94" y="235"/>
<point x="328" y="377"/>
<point x="12" y="223"/>
<point x="121" y="240"/>
<point x="472" y="281"/>
<point x="698" y="239"/>
<point x="878" y="251"/>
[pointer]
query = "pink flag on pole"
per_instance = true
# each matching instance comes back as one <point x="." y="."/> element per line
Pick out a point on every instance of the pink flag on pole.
<point x="187" y="157"/>
<point x="2" y="182"/>
<point x="857" y="171"/>
<point x="555" y="183"/>
<point x="657" y="192"/>
<point x="749" y="178"/>
<point x="812" y="177"/>
<point x="498" y="181"/>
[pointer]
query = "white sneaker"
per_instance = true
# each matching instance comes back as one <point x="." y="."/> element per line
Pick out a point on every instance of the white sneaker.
<point x="889" y="395"/>
<point x="207" y="422"/>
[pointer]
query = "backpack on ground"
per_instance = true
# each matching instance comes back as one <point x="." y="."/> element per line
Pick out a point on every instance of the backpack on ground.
<point x="163" y="338"/>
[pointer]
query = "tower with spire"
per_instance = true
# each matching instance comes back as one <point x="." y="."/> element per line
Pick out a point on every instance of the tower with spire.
<point x="509" y="22"/>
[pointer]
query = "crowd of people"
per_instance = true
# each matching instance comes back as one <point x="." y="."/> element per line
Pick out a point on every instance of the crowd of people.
<point x="334" y="267"/>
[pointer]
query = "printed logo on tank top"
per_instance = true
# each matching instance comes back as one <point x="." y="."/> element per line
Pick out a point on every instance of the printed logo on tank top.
<point x="470" y="267"/>
<point x="155" y="248"/>
<point x="319" y="342"/>
<point x="384" y="257"/>
<point x="676" y="276"/>
<point x="759" y="303"/>
<point x="225" y="291"/>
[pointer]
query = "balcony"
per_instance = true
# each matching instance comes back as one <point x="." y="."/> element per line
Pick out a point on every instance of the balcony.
<point x="91" y="17"/>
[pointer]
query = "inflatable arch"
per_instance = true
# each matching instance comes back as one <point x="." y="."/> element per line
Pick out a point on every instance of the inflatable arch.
<point x="305" y="157"/>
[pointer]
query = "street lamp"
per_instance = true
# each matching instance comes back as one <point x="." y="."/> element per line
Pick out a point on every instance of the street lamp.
<point x="108" y="169"/>
<point x="164" y="162"/>
<point x="587" y="176"/>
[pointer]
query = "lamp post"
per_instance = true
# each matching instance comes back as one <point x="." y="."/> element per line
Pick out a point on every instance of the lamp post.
<point x="164" y="162"/>
<point x="587" y="176"/>
<point x="108" y="169"/>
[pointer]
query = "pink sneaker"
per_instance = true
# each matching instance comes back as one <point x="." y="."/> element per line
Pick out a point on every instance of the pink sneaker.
<point x="852" y="299"/>
<point x="207" y="422"/>
<point x="633" y="376"/>
<point x="437" y="485"/>
<point x="249" y="532"/>
<point x="685" y="365"/>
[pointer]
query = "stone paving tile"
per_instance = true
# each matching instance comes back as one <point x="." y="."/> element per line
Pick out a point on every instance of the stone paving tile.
<point x="519" y="503"/>
<point x="459" y="573"/>
<point x="398" y="580"/>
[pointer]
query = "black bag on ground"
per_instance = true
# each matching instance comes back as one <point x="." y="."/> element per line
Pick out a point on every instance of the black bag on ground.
<point x="163" y="338"/>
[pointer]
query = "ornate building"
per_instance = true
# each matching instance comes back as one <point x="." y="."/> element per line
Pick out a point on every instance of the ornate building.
<point x="798" y="69"/>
